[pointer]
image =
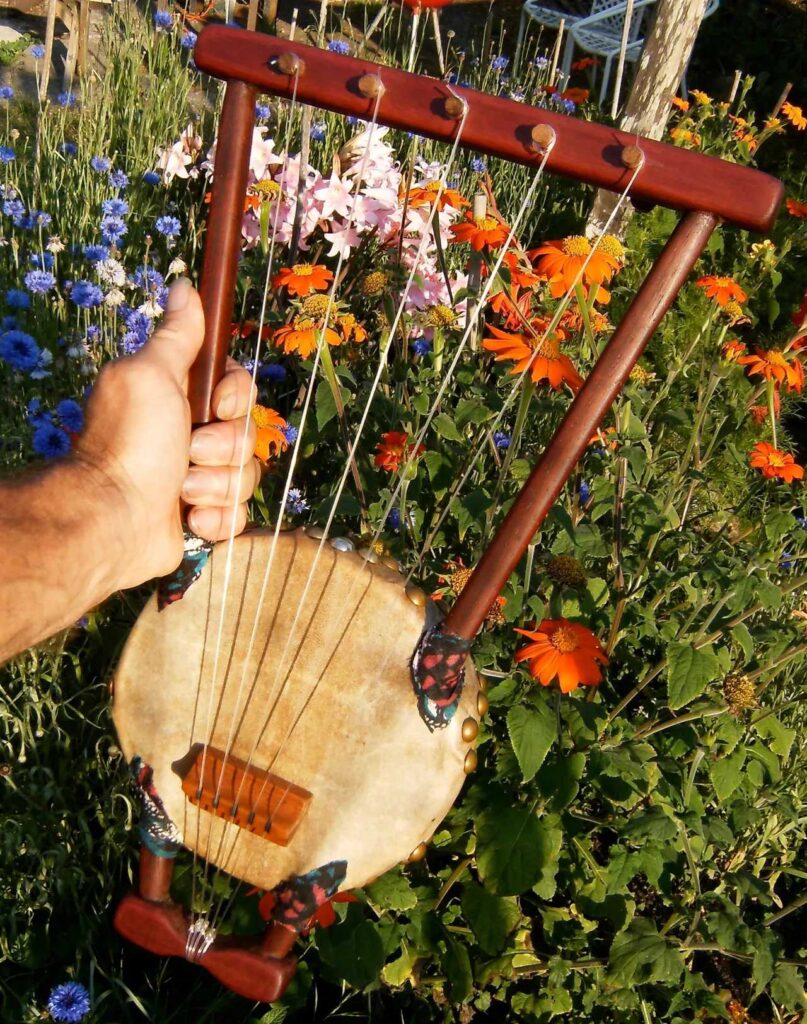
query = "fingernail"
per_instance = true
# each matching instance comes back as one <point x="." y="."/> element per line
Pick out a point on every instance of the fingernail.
<point x="203" y="445"/>
<point x="204" y="521"/>
<point x="227" y="404"/>
<point x="194" y="486"/>
<point x="178" y="295"/>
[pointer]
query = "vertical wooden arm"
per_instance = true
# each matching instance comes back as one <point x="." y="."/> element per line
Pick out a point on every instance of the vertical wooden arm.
<point x="223" y="243"/>
<point x="585" y="414"/>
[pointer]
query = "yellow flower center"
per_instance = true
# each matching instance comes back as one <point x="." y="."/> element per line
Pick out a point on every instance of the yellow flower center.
<point x="738" y="689"/>
<point x="304" y="323"/>
<point x="640" y="375"/>
<point x="549" y="348"/>
<point x="433" y="186"/>
<point x="302" y="269"/>
<point x="486" y="223"/>
<point x="458" y="579"/>
<point x="567" y="571"/>
<point x="564" y="639"/>
<point x="613" y="247"/>
<point x="576" y="245"/>
<point x="315" y="305"/>
<point x="776" y="459"/>
<point x="733" y="309"/>
<point x="266" y="187"/>
<point x="441" y="316"/>
<point x="374" y="283"/>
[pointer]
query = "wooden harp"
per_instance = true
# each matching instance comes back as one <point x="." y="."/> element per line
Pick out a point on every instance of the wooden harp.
<point x="385" y="719"/>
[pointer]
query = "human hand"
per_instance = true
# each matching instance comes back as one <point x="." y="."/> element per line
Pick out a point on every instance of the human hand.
<point x="138" y="446"/>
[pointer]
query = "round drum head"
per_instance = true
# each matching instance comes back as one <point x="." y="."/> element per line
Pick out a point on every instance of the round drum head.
<point x="326" y="703"/>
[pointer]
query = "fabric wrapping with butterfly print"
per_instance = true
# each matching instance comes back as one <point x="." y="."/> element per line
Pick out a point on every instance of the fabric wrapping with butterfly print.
<point x="299" y="898"/>
<point x="438" y="673"/>
<point x="173" y="587"/>
<point x="157" y="832"/>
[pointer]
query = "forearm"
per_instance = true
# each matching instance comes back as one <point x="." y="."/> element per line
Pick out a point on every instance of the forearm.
<point x="60" y="551"/>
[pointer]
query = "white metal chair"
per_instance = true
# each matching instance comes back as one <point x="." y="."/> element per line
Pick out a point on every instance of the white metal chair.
<point x="550" y="16"/>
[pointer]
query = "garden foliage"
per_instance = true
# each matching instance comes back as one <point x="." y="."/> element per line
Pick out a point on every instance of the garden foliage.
<point x="629" y="849"/>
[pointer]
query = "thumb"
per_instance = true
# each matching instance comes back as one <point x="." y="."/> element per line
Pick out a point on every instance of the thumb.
<point x="177" y="341"/>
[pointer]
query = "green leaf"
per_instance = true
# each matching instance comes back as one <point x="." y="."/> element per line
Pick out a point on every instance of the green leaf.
<point x="743" y="637"/>
<point x="457" y="965"/>
<point x="326" y="405"/>
<point x="398" y="972"/>
<point x="780" y="739"/>
<point x="532" y="732"/>
<point x="787" y="988"/>
<point x="445" y="427"/>
<point x="640" y="954"/>
<point x="558" y="780"/>
<point x="471" y="410"/>
<point x="762" y="970"/>
<point x="392" y="891"/>
<point x="652" y="824"/>
<point x="352" y="948"/>
<point x="512" y="848"/>
<point x="491" y="918"/>
<point x="689" y="669"/>
<point x="726" y="773"/>
<point x="276" y="1015"/>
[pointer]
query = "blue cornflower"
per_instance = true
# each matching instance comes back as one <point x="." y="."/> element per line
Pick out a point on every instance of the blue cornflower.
<point x="35" y="414"/>
<point x="556" y="97"/>
<point x="787" y="561"/>
<point x="149" y="279"/>
<point x="168" y="226"/>
<point x="499" y="63"/>
<point x="290" y="433"/>
<point x="41" y="370"/>
<point x="115" y="207"/>
<point x="352" y="119"/>
<point x="16" y="298"/>
<point x="13" y="208"/>
<point x="339" y="46"/>
<point x="394" y="519"/>
<point x="69" y="148"/>
<point x="263" y="111"/>
<point x="118" y="179"/>
<point x="96" y="253"/>
<point x="37" y="51"/>
<point x="19" y="350"/>
<point x="501" y="440"/>
<point x="295" y="502"/>
<point x="162" y="19"/>
<point x="318" y="131"/>
<point x="272" y="371"/>
<point x="6" y="92"/>
<point x="478" y="165"/>
<point x="7" y="154"/>
<point x="70" y="415"/>
<point x="248" y="364"/>
<point x="8" y="323"/>
<point x="93" y="332"/>
<point x="584" y="492"/>
<point x="541" y="62"/>
<point x="86" y="294"/>
<point x="39" y="281"/>
<point x="569" y="106"/>
<point x="802" y="521"/>
<point x="518" y="95"/>
<point x="41" y="260"/>
<point x="113" y="229"/>
<point x="67" y="99"/>
<point x="52" y="443"/>
<point x="421" y="346"/>
<point x="36" y="219"/>
<point x="188" y="40"/>
<point x="151" y="178"/>
<point x="101" y="164"/>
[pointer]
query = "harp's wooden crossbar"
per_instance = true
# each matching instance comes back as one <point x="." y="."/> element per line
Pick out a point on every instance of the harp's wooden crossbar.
<point x="253" y="799"/>
<point x="584" y="151"/>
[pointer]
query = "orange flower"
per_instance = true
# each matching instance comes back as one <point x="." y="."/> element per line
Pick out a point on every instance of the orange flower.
<point x="681" y="104"/>
<point x="504" y="301"/>
<point x="685" y="136"/>
<point x="585" y="62"/>
<point x="271" y="440"/>
<point x="565" y="651"/>
<point x="700" y="97"/>
<point x="605" y="438"/>
<point x="541" y="355"/>
<point x="796" y="208"/>
<point x="395" y="447"/>
<point x="774" y="365"/>
<point x="795" y="116"/>
<point x="734" y="311"/>
<point x="773" y="463"/>
<point x="303" y="278"/>
<point x="248" y="328"/>
<point x="302" y="336"/>
<point x="733" y="349"/>
<point x="561" y="263"/>
<point x="425" y="195"/>
<point x="761" y="412"/>
<point x="351" y="329"/>
<point x="575" y="95"/>
<point x="572" y="321"/>
<point x="481" y="232"/>
<point x="721" y="289"/>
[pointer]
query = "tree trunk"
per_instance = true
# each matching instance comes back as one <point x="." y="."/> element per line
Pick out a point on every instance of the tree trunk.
<point x="661" y="65"/>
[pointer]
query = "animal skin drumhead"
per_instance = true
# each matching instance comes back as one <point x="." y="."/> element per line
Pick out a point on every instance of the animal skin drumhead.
<point x="327" y="704"/>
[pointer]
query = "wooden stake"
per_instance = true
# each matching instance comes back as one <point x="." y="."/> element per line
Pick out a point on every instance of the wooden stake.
<point x="252" y="15"/>
<point x="49" y="32"/>
<point x="556" y="54"/>
<point x="438" y="41"/>
<point x="735" y="85"/>
<point x="782" y="100"/>
<point x="623" y="49"/>
<point x="480" y="210"/>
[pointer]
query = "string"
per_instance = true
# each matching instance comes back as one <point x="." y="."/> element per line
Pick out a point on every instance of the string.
<point x="425" y="236"/>
<point x="287" y="487"/>
<point x="196" y="938"/>
<point x="516" y="387"/>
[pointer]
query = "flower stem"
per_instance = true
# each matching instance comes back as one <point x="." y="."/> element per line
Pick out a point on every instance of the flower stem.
<point x="771" y="409"/>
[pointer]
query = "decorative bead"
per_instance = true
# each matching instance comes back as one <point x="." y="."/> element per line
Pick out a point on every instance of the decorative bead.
<point x="368" y="554"/>
<point x="470" y="729"/>
<point x="471" y="761"/>
<point x="482" y="704"/>
<point x="342" y="544"/>
<point x="416" y="596"/>
<point x="418" y="853"/>
<point x="317" y="532"/>
<point x="391" y="563"/>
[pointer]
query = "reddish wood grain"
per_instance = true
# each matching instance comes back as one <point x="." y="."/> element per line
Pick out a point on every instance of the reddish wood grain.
<point x="587" y="152"/>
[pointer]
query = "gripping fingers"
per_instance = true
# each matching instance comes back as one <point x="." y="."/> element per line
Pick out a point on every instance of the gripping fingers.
<point x="216" y="523"/>
<point x="214" y="486"/>
<point x="223" y="444"/>
<point x="232" y="395"/>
